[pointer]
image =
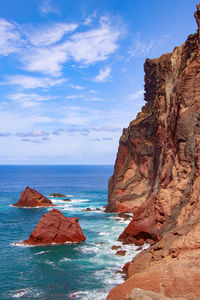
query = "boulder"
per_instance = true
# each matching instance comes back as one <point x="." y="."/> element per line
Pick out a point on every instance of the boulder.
<point x="121" y="252"/>
<point x="55" y="228"/>
<point x="115" y="247"/>
<point x="31" y="198"/>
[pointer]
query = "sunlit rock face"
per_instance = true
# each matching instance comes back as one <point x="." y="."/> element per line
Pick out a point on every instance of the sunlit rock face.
<point x="157" y="176"/>
<point x="31" y="198"/>
<point x="55" y="228"/>
<point x="156" y="173"/>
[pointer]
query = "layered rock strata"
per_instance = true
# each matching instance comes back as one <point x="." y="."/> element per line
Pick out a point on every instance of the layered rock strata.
<point x="55" y="228"/>
<point x="31" y="198"/>
<point x="157" y="168"/>
<point x="157" y="177"/>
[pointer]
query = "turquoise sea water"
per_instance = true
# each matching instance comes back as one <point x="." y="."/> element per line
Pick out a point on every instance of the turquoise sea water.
<point x="82" y="271"/>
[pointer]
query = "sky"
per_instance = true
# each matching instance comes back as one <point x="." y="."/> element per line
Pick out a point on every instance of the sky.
<point x="71" y="73"/>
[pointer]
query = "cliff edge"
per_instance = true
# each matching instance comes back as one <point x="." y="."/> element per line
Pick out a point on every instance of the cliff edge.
<point x="157" y="177"/>
<point x="157" y="168"/>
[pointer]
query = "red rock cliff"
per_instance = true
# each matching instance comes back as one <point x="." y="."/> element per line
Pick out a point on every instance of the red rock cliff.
<point x="157" y="176"/>
<point x="157" y="168"/>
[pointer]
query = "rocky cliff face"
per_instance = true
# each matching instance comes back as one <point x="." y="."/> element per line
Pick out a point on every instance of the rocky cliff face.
<point x="157" y="168"/>
<point x="157" y="177"/>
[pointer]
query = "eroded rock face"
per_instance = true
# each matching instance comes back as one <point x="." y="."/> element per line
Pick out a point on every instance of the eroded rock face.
<point x="138" y="294"/>
<point x="157" y="176"/>
<point x="31" y="198"/>
<point x="55" y="228"/>
<point x="157" y="169"/>
<point x="171" y="267"/>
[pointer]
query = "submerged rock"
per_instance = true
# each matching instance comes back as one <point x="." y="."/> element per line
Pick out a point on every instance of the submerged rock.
<point x="121" y="252"/>
<point x="31" y="198"/>
<point x="57" y="195"/>
<point x="55" y="228"/>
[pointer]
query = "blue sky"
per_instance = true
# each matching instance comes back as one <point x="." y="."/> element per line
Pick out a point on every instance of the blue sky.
<point x="72" y="73"/>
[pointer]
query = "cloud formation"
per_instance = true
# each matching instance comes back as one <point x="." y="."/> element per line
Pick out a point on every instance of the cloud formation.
<point x="46" y="7"/>
<point x="10" y="39"/>
<point x="30" y="82"/>
<point x="47" y="48"/>
<point x="104" y="75"/>
<point x="29" y="99"/>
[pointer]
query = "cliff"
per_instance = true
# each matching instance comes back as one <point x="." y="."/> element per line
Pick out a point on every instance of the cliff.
<point x="157" y="177"/>
<point x="156" y="173"/>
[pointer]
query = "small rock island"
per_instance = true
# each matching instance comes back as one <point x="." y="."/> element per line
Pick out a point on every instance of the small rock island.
<point x="31" y="198"/>
<point x="55" y="228"/>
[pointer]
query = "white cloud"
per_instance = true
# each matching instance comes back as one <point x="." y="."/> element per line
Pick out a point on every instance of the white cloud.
<point x="86" y="48"/>
<point x="140" y="48"/>
<point x="47" y="48"/>
<point x="70" y="97"/>
<point x="46" y="8"/>
<point x="30" y="82"/>
<point x="10" y="40"/>
<point x="45" y="60"/>
<point x="28" y="100"/>
<point x="104" y="75"/>
<point x="94" y="45"/>
<point x="48" y="35"/>
<point x="76" y="86"/>
<point x="136" y="95"/>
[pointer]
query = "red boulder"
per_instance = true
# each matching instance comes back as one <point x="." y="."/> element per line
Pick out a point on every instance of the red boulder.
<point x="55" y="228"/>
<point x="31" y="198"/>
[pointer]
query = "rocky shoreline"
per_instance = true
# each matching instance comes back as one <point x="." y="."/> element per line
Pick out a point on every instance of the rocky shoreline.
<point x="157" y="177"/>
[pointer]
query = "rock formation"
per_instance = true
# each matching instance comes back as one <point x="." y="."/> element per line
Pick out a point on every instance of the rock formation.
<point x="31" y="198"/>
<point x="57" y="195"/>
<point x="55" y="228"/>
<point x="171" y="267"/>
<point x="157" y="177"/>
<point x="157" y="168"/>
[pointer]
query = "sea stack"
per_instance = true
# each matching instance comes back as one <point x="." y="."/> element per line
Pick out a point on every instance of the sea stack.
<point x="31" y="198"/>
<point x="55" y="228"/>
<point x="157" y="177"/>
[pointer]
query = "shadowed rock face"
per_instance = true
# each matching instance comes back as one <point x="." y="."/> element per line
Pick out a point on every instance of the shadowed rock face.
<point x="31" y="198"/>
<point x="157" y="167"/>
<point x="55" y="228"/>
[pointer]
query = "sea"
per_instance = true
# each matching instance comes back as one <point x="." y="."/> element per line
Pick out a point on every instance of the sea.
<point x="72" y="271"/>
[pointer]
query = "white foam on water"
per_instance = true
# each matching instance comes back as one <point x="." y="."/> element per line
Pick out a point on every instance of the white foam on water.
<point x="65" y="259"/>
<point x="42" y="252"/>
<point x="78" y="200"/>
<point x="104" y="233"/>
<point x="97" y="294"/>
<point x="27" y="292"/>
<point x="20" y="244"/>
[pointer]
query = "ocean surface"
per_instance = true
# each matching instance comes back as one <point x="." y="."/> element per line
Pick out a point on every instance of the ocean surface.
<point x="80" y="271"/>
